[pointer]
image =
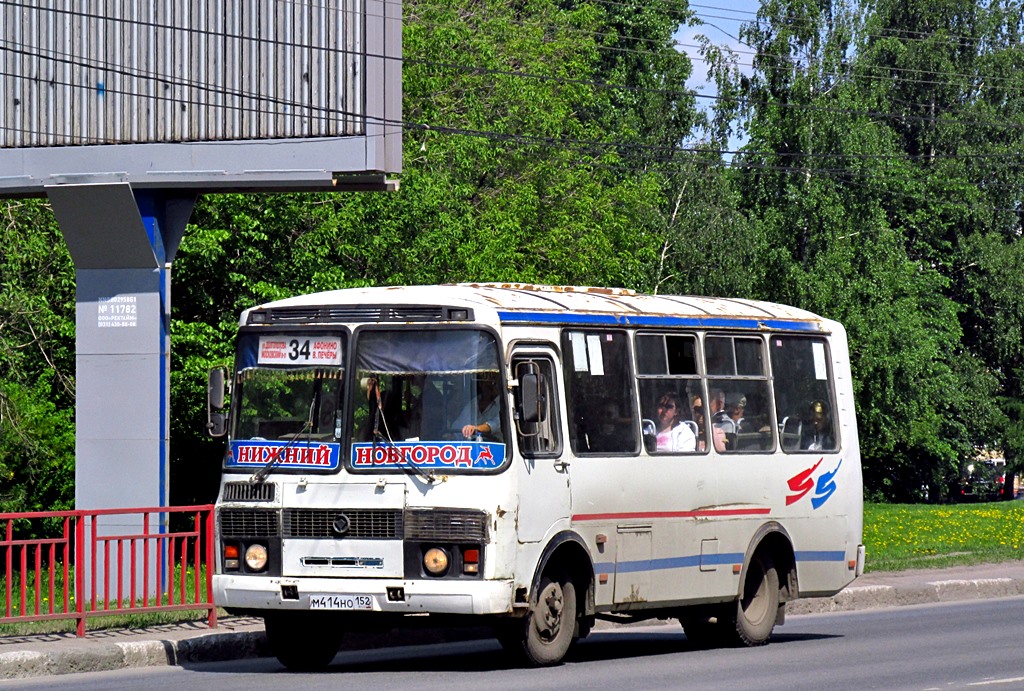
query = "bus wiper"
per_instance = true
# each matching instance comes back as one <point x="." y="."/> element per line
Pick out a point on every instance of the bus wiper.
<point x="260" y="475"/>
<point x="378" y="417"/>
<point x="405" y="465"/>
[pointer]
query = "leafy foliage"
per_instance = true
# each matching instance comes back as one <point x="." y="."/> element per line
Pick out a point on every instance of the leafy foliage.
<point x="871" y="193"/>
<point x="556" y="142"/>
<point x="37" y="362"/>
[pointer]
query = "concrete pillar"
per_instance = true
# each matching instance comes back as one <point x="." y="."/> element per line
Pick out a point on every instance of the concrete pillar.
<point x="122" y="242"/>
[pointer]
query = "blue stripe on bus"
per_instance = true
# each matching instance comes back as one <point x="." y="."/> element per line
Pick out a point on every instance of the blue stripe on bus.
<point x="708" y="559"/>
<point x="569" y="318"/>
<point x="822" y="555"/>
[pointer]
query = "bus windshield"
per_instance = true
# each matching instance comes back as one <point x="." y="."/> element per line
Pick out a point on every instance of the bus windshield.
<point x="280" y="403"/>
<point x="427" y="386"/>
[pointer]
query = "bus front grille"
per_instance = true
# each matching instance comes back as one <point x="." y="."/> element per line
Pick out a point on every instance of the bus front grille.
<point x="359" y="524"/>
<point x="446" y="525"/>
<point x="443" y="525"/>
<point x="247" y="491"/>
<point x="249" y="523"/>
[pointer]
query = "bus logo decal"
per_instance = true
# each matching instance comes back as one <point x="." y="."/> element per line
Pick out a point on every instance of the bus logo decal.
<point x="469" y="455"/>
<point x="826" y="487"/>
<point x="802" y="483"/>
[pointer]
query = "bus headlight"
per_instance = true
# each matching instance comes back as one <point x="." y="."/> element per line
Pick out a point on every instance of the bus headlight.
<point x="435" y="561"/>
<point x="256" y="557"/>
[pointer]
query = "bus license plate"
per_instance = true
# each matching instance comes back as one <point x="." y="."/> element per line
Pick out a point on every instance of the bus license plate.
<point x="340" y="602"/>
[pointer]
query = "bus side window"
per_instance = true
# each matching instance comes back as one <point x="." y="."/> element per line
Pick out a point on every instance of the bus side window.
<point x="540" y="438"/>
<point x="669" y="384"/>
<point x="803" y="393"/>
<point x="600" y="394"/>
<point x="739" y="392"/>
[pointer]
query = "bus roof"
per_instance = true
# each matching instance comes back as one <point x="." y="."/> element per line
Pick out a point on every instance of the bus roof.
<point x="541" y="304"/>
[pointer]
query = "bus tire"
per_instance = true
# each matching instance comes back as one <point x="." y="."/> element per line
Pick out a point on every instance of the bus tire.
<point x="753" y="617"/>
<point x="543" y="637"/>
<point x="552" y="621"/>
<point x="301" y="641"/>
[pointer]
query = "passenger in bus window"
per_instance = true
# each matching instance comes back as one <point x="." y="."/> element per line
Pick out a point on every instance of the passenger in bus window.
<point x="723" y="427"/>
<point x="717" y="401"/>
<point x="673" y="434"/>
<point x="480" y="416"/>
<point x="817" y="432"/>
<point x="727" y="410"/>
<point x="754" y="425"/>
<point x="364" y="429"/>
<point x="735" y="404"/>
<point x="697" y="409"/>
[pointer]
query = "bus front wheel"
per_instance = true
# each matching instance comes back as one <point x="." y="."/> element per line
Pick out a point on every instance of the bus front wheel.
<point x="543" y="637"/>
<point x="302" y="641"/>
<point x="752" y="619"/>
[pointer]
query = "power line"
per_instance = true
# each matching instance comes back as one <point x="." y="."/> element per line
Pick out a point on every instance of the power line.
<point x="477" y="70"/>
<point x="904" y="117"/>
<point x="754" y="54"/>
<point x="290" y="44"/>
<point x="965" y="41"/>
<point x="283" y="43"/>
<point x="623" y="145"/>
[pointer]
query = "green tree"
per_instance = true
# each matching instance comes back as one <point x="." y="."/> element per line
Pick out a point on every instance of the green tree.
<point x="948" y="77"/>
<point x="37" y="361"/>
<point x="828" y="181"/>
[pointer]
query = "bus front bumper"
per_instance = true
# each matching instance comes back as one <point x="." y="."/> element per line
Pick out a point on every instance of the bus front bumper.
<point x="245" y="592"/>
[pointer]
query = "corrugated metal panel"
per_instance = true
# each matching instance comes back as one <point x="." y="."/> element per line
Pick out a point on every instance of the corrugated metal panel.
<point x="123" y="71"/>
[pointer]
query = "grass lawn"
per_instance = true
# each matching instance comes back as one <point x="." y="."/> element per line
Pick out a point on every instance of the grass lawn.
<point x="920" y="536"/>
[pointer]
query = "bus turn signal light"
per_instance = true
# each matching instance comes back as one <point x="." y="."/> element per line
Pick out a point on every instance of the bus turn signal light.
<point x="471" y="561"/>
<point x="230" y="556"/>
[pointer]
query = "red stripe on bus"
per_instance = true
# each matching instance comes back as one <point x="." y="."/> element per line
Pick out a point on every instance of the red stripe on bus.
<point x="670" y="514"/>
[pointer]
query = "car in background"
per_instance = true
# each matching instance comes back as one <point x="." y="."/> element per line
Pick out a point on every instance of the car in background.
<point x="981" y="480"/>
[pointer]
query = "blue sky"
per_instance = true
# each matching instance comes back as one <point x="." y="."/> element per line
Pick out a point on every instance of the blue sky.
<point x="721" y="24"/>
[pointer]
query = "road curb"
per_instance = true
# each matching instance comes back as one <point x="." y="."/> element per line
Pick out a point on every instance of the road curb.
<point x="879" y="596"/>
<point x="100" y="657"/>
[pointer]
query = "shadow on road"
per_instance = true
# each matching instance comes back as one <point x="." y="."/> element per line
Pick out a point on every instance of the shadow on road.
<point x="486" y="655"/>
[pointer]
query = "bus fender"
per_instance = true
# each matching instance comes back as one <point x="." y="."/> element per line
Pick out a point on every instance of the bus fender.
<point x="774" y="537"/>
<point x="581" y="568"/>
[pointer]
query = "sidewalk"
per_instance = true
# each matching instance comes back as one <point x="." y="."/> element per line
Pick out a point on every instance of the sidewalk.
<point x="238" y="637"/>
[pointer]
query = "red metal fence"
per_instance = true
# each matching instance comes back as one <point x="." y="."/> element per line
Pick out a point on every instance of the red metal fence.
<point x="95" y="567"/>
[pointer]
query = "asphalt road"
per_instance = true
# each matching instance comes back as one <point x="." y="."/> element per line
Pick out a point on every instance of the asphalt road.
<point x="973" y="644"/>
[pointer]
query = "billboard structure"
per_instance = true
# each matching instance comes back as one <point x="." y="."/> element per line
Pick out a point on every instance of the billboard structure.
<point x="121" y="112"/>
<point x="162" y="93"/>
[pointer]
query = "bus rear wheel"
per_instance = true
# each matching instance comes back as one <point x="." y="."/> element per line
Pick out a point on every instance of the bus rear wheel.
<point x="753" y="618"/>
<point x="544" y="636"/>
<point x="302" y="641"/>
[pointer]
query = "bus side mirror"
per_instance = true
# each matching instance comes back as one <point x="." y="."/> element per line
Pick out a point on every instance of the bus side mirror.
<point x="216" y="420"/>
<point x="528" y="399"/>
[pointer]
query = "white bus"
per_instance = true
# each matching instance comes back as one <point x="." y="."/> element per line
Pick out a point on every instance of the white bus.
<point x="537" y="458"/>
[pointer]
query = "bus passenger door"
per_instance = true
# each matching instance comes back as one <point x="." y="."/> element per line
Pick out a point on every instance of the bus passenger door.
<point x="543" y="469"/>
